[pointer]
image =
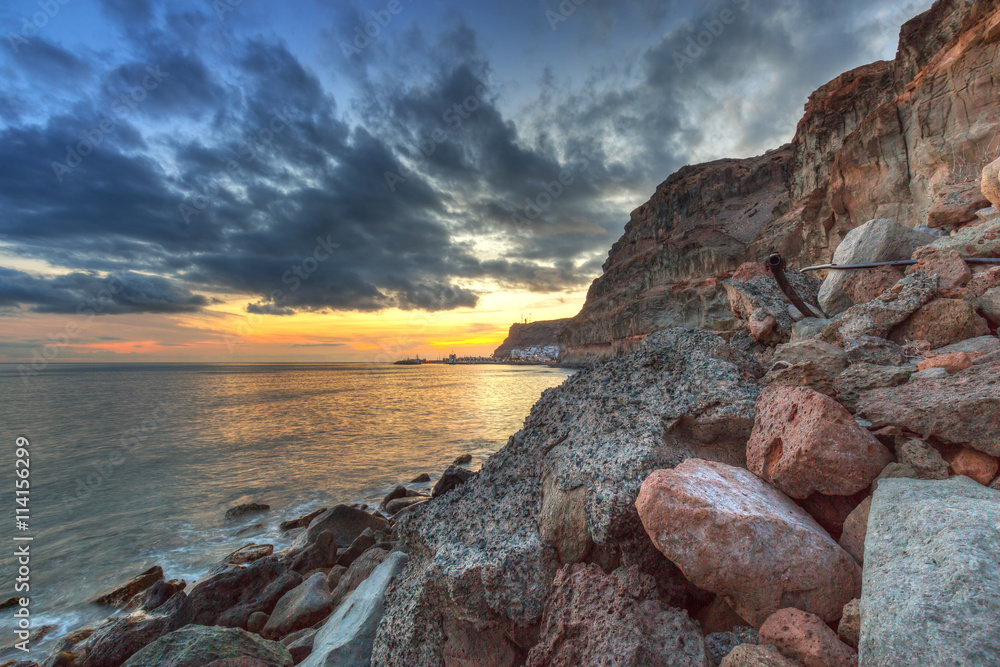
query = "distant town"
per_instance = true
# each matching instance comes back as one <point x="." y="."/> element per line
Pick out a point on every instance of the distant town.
<point x="528" y="343"/>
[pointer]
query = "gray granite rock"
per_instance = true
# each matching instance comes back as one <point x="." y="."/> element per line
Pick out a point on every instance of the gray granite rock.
<point x="199" y="645"/>
<point x="931" y="589"/>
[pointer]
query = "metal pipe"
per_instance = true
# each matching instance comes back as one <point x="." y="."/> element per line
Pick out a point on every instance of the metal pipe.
<point x="901" y="262"/>
<point x="776" y="264"/>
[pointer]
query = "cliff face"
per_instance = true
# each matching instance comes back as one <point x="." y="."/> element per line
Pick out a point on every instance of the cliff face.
<point x="531" y="335"/>
<point x="905" y="139"/>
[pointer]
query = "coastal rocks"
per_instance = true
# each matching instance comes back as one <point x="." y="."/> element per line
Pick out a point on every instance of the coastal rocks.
<point x="990" y="183"/>
<point x="734" y="535"/>
<point x="302" y="521"/>
<point x="947" y="265"/>
<point x="942" y="322"/>
<point x="421" y="478"/>
<point x="962" y="409"/>
<point x="363" y="543"/>
<point x="861" y="377"/>
<point x="881" y="315"/>
<point x="451" y="479"/>
<point x="982" y="240"/>
<point x="849" y="628"/>
<point x="239" y="511"/>
<point x="196" y="646"/>
<point x="462" y="460"/>
<point x="594" y="618"/>
<point x="249" y="553"/>
<point x="131" y="588"/>
<point x="931" y="577"/>
<point x="811" y="363"/>
<point x="750" y="655"/>
<point x="477" y="553"/>
<point x="117" y="639"/>
<point x="359" y="570"/>
<point x="975" y="465"/>
<point x="760" y="302"/>
<point x="304" y="605"/>
<point x="875" y="241"/>
<point x="873" y="350"/>
<point x="806" y="638"/>
<point x="346" y="639"/>
<point x="924" y="459"/>
<point x="952" y="363"/>
<point x="322" y="553"/>
<point x="346" y="523"/>
<point x="398" y="492"/>
<point x="804" y="442"/>
<point x="400" y="504"/>
<point x="156" y="595"/>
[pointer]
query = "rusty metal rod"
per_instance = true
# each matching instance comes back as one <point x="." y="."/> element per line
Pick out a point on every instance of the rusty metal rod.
<point x="776" y="264"/>
<point x="901" y="262"/>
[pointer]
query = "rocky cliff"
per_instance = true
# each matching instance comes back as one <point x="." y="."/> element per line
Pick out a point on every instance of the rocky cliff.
<point x="905" y="139"/>
<point x="533" y="335"/>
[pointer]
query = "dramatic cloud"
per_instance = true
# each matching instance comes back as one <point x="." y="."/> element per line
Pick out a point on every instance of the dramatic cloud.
<point x="284" y="155"/>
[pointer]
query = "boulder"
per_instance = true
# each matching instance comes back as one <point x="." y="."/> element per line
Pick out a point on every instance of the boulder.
<point x="749" y="655"/>
<point x="363" y="543"/>
<point x="734" y="535"/>
<point x="811" y="363"/>
<point x="398" y="492"/>
<point x="452" y="478"/>
<point x="359" y="570"/>
<point x="197" y="645"/>
<point x="810" y="327"/>
<point x="861" y="377"/>
<point x="975" y="465"/>
<point x="760" y="302"/>
<point x="257" y="621"/>
<point x="421" y="478"/>
<point x="302" y="521"/>
<point x="131" y="588"/>
<point x="864" y="285"/>
<point x="849" y="628"/>
<point x="346" y="639"/>
<point x="593" y="618"/>
<point x="302" y="647"/>
<point x="953" y="363"/>
<point x="962" y="409"/>
<point x="304" y="605"/>
<point x="875" y="241"/>
<point x="346" y="523"/>
<point x="942" y="322"/>
<point x="462" y="460"/>
<point x="929" y="374"/>
<point x="991" y="183"/>
<point x="982" y="240"/>
<point x="873" y="350"/>
<point x="234" y="513"/>
<point x="249" y="553"/>
<point x="989" y="305"/>
<point x="805" y="637"/>
<point x="804" y="442"/>
<point x="931" y="577"/>
<point x="924" y="459"/>
<point x="975" y="348"/>
<point x="880" y="316"/>
<point x="947" y="265"/>
<point x="477" y="553"/>
<point x="117" y="639"/>
<point x="399" y="504"/>
<point x="334" y="575"/>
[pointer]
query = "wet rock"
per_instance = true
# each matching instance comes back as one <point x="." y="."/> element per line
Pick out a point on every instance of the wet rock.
<point x="399" y="504"/>
<point x="463" y="460"/>
<point x="804" y="442"/>
<point x="924" y="459"/>
<point x="952" y="363"/>
<point x="234" y="513"/>
<point x="748" y="655"/>
<point x="359" y="570"/>
<point x="595" y="618"/>
<point x="477" y="552"/>
<point x="452" y="478"/>
<point x="304" y="605"/>
<point x="196" y="645"/>
<point x="805" y="637"/>
<point x="398" y="492"/>
<point x="947" y="265"/>
<point x="363" y="543"/>
<point x="346" y="523"/>
<point x="321" y="554"/>
<point x="862" y="377"/>
<point x="880" y="316"/>
<point x="875" y="241"/>
<point x="302" y="521"/>
<point x="156" y="595"/>
<point x="975" y="465"/>
<point x="734" y="535"/>
<point x="131" y="588"/>
<point x="962" y="409"/>
<point x="942" y="322"/>
<point x="849" y="628"/>
<point x="931" y="578"/>
<point x="873" y="350"/>
<point x="346" y="639"/>
<point x="249" y="553"/>
<point x="760" y="302"/>
<point x="117" y="639"/>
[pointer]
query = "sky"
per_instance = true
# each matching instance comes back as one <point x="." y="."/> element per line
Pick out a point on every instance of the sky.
<point x="294" y="180"/>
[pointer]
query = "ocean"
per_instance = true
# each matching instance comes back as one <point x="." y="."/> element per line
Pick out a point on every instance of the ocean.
<point x="135" y="465"/>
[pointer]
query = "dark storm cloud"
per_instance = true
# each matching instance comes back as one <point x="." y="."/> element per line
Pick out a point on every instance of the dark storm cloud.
<point x="241" y="172"/>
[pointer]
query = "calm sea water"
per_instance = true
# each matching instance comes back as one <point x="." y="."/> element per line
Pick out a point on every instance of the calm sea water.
<point x="135" y="465"/>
